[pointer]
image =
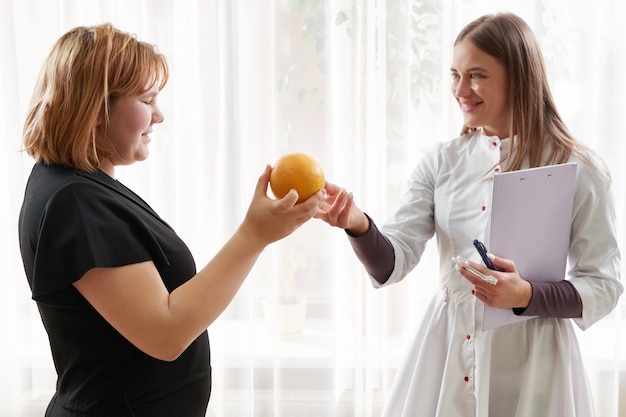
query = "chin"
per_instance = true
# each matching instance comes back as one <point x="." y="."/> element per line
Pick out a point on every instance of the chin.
<point x="142" y="156"/>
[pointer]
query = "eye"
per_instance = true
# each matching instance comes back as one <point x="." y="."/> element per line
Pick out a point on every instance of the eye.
<point x="148" y="99"/>
<point x="454" y="76"/>
<point x="475" y="76"/>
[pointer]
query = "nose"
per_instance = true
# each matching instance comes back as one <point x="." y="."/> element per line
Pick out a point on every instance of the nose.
<point x="157" y="115"/>
<point x="461" y="87"/>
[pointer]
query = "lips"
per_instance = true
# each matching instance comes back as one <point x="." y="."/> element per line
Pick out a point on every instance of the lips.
<point x="469" y="106"/>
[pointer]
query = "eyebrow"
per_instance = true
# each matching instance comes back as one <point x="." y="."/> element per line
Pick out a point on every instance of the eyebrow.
<point x="149" y="93"/>
<point x="471" y="69"/>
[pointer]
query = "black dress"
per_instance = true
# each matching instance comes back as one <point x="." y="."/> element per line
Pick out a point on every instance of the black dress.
<point x="70" y="222"/>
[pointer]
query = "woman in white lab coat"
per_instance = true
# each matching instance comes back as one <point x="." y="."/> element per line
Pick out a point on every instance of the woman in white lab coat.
<point x="532" y="367"/>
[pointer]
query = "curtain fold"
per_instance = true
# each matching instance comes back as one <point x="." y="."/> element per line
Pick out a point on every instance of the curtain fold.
<point x="363" y="87"/>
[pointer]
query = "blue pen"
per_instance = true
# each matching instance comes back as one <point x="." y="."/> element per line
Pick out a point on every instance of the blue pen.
<point x="482" y="251"/>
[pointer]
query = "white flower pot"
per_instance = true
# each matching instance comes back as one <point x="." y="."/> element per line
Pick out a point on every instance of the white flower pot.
<point x="284" y="318"/>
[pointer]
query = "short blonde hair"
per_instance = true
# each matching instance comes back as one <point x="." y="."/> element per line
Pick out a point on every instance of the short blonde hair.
<point x="86" y="68"/>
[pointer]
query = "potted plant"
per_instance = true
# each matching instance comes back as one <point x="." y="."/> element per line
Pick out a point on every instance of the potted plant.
<point x="285" y="313"/>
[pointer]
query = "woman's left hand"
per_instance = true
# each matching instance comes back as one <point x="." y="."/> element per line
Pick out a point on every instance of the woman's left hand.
<point x="511" y="290"/>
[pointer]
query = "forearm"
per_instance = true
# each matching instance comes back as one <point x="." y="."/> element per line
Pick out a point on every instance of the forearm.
<point x="374" y="251"/>
<point x="200" y="301"/>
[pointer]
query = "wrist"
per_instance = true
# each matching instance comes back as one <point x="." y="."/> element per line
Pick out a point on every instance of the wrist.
<point x="251" y="236"/>
<point x="360" y="228"/>
<point x="527" y="294"/>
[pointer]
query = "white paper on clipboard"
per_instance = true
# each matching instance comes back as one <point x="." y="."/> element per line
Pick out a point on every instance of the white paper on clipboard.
<point x="530" y="224"/>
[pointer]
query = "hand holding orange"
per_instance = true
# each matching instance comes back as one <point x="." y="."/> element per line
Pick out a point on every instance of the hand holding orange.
<point x="298" y="171"/>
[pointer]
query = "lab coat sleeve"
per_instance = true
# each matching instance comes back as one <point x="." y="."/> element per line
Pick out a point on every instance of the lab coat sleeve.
<point x="594" y="255"/>
<point x="412" y="225"/>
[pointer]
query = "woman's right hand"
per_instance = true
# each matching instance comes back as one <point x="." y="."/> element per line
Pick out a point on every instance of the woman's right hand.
<point x="269" y="220"/>
<point x="338" y="209"/>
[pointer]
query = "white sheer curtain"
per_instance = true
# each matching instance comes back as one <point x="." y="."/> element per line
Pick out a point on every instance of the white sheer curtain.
<point x="360" y="85"/>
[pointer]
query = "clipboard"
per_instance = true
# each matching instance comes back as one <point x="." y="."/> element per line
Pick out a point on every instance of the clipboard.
<point x="530" y="224"/>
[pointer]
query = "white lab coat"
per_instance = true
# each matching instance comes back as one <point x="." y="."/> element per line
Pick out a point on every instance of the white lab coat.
<point x="528" y="369"/>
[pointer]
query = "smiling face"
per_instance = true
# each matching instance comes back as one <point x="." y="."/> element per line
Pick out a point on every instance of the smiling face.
<point x="481" y="87"/>
<point x="130" y="122"/>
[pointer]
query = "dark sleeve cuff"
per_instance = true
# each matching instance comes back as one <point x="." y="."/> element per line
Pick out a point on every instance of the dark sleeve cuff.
<point x="553" y="299"/>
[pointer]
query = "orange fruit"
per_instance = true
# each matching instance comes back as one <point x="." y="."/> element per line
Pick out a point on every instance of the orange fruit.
<point x="299" y="171"/>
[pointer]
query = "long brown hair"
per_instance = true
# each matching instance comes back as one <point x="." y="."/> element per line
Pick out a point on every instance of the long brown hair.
<point x="539" y="135"/>
<point x="86" y="68"/>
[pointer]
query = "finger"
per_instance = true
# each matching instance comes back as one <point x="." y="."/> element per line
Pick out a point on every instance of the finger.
<point x="480" y="267"/>
<point x="338" y="206"/>
<point x="502" y="263"/>
<point x="482" y="296"/>
<point x="312" y="204"/>
<point x="288" y="201"/>
<point x="346" y="211"/>
<point x="331" y="188"/>
<point x="261" y="185"/>
<point x="328" y="200"/>
<point x="465" y="273"/>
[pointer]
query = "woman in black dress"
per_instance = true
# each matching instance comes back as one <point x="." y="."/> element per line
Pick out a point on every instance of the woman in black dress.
<point x="125" y="310"/>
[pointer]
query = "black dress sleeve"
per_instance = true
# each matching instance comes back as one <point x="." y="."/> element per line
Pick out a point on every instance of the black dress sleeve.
<point x="85" y="226"/>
